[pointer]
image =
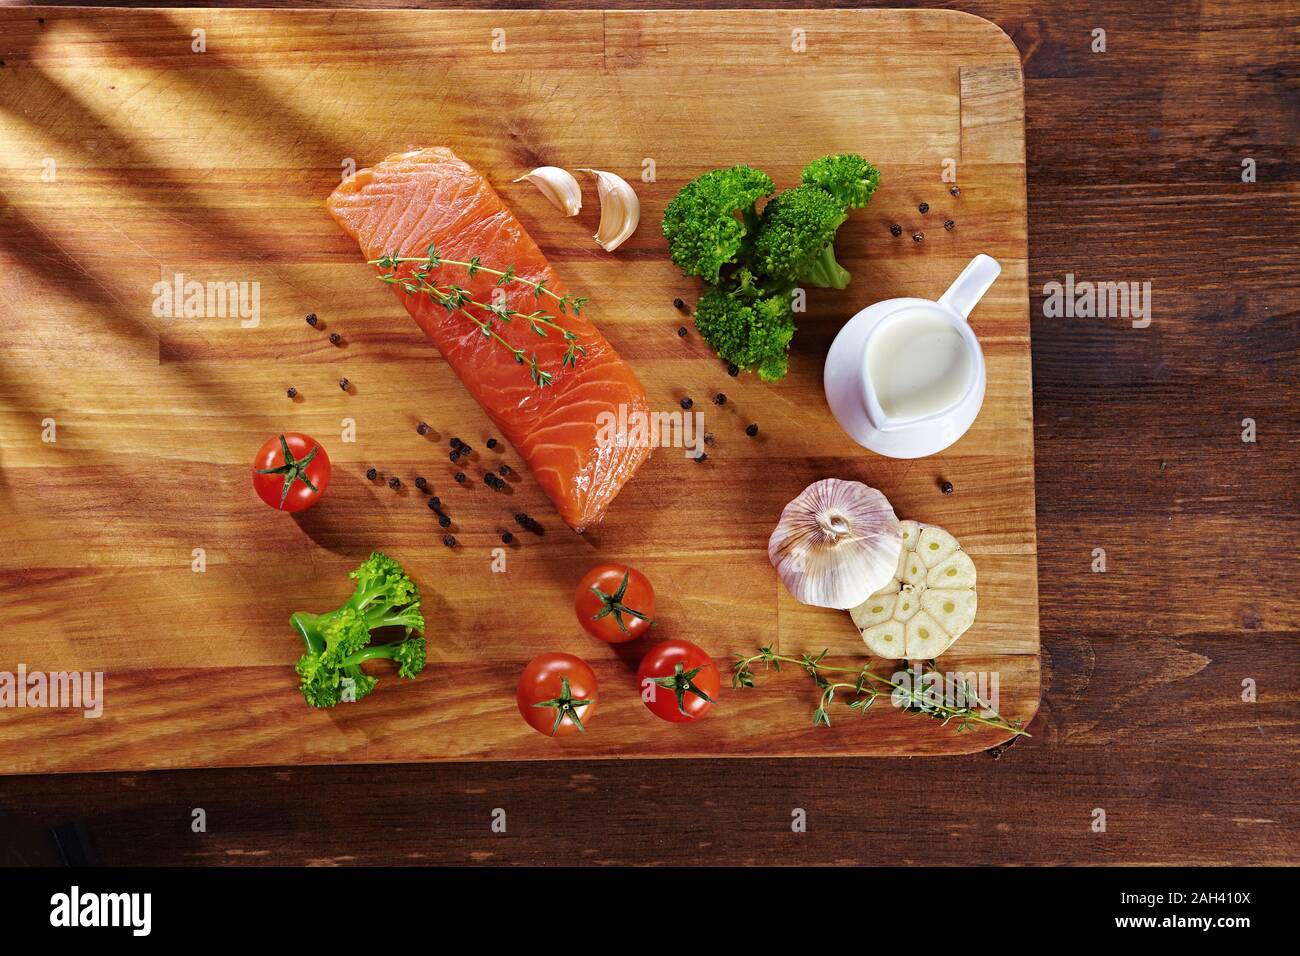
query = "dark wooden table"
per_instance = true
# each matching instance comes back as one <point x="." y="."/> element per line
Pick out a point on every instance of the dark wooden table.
<point x="1135" y="174"/>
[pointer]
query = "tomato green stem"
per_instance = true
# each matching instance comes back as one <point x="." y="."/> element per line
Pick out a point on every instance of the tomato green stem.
<point x="293" y="470"/>
<point x="566" y="705"/>
<point x="613" y="604"/>
<point x="681" y="683"/>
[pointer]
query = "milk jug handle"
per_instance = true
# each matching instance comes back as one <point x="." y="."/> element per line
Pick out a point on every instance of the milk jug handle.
<point x="969" y="287"/>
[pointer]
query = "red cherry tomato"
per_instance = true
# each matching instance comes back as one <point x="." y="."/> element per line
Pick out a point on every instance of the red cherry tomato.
<point x="291" y="472"/>
<point x="557" y="694"/>
<point x="679" y="681"/>
<point x="615" y="603"/>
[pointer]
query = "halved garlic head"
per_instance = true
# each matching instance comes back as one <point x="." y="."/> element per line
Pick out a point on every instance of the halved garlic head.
<point x="929" y="603"/>
<point x="836" y="543"/>
<point x="620" y="210"/>
<point x="559" y="186"/>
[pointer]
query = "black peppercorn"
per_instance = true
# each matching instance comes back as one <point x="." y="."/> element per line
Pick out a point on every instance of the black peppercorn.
<point x="292" y="393"/>
<point x="490" y="480"/>
<point x="504" y="469"/>
<point x="492" y="443"/>
<point x="686" y="403"/>
<point x="681" y="331"/>
<point x="701" y="456"/>
<point x="335" y="338"/>
<point x="435" y="503"/>
<point x="372" y="473"/>
<point x="751" y="431"/>
<point x="311" y="319"/>
<point x="733" y="370"/>
<point x="456" y="443"/>
<point x="708" y="438"/>
<point x="924" y="207"/>
<point x="679" y="304"/>
<point x="523" y="520"/>
<point x="949" y="225"/>
<point x="394" y="482"/>
<point x="460" y="477"/>
<point x="344" y="384"/>
<point x="444" y="521"/>
<point x="464" y="449"/>
<point x="507" y="537"/>
<point x="449" y="540"/>
<point x="918" y="237"/>
<point x="956" y="190"/>
<point x="945" y="487"/>
<point x="719" y="399"/>
<point x="895" y="230"/>
<point x="420" y="482"/>
<point x="454" y="456"/>
<point x="422" y="428"/>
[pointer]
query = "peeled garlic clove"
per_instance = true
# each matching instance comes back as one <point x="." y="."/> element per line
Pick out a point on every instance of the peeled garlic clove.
<point x="911" y="569"/>
<point x="957" y="572"/>
<point x="877" y="609"/>
<point x="924" y="638"/>
<point x="907" y="605"/>
<point x="620" y="210"/>
<point x="836" y="544"/>
<point x="932" y="594"/>
<point x="934" y="545"/>
<point x="886" y="640"/>
<point x="559" y="186"/>
<point x="952" y="610"/>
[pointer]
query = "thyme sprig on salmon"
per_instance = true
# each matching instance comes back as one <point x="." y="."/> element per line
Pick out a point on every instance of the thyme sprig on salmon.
<point x="421" y="196"/>
<point x="455" y="298"/>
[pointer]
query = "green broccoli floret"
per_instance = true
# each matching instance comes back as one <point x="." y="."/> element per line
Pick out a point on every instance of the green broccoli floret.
<point x="849" y="178"/>
<point x="338" y="642"/>
<point x="750" y="332"/>
<point x="702" y="225"/>
<point x="345" y="632"/>
<point x="319" y="689"/>
<point x="354" y="683"/>
<point x="752" y="261"/>
<point x="796" y="239"/>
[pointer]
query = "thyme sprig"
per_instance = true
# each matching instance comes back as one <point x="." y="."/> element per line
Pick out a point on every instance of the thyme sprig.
<point x="868" y="686"/>
<point x="455" y="298"/>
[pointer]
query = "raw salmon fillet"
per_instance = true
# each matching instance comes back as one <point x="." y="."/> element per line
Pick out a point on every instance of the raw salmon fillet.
<point x="429" y="196"/>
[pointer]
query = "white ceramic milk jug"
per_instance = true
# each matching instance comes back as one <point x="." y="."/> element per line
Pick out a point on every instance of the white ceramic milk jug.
<point x="905" y="377"/>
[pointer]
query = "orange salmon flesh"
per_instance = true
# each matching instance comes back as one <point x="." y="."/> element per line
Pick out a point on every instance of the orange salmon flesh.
<point x="410" y="200"/>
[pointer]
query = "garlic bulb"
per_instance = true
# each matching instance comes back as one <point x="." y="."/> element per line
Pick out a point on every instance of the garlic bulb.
<point x="836" y="544"/>
<point x="559" y="186"/>
<point x="929" y="603"/>
<point x="620" y="210"/>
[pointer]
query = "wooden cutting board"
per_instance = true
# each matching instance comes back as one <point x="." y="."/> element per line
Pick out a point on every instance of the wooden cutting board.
<point x="126" y="158"/>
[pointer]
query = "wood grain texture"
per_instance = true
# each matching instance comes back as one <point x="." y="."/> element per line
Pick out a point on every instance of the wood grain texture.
<point x="1133" y="161"/>
<point x="215" y="165"/>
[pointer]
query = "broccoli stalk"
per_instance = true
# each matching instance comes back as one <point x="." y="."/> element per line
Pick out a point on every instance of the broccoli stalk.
<point x="409" y="655"/>
<point x="753" y="261"/>
<point x="826" y="272"/>
<point x="796" y="239"/>
<point x="338" y="642"/>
